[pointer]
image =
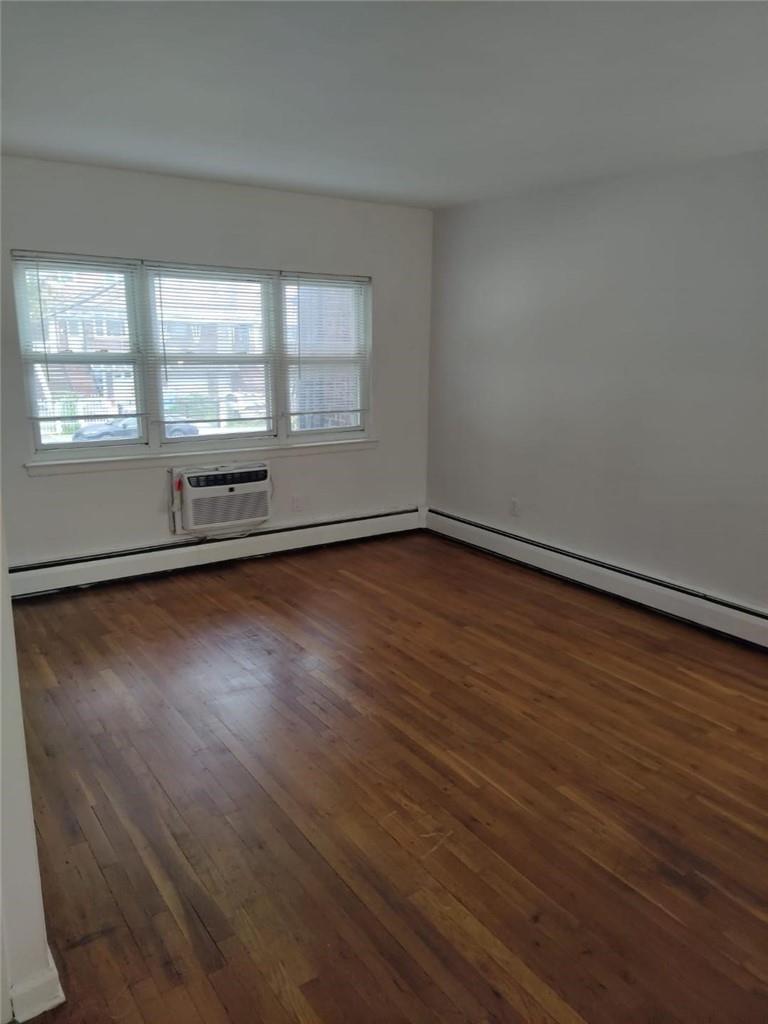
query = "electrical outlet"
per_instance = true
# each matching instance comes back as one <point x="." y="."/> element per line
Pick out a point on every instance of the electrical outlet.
<point x="514" y="508"/>
<point x="299" y="504"/>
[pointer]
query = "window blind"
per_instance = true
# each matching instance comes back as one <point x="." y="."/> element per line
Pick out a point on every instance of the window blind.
<point x="212" y="360"/>
<point x="132" y="352"/>
<point x="326" y="352"/>
<point x="80" y="349"/>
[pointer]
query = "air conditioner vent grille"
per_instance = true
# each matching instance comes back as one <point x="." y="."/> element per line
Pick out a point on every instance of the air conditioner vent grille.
<point x="229" y="508"/>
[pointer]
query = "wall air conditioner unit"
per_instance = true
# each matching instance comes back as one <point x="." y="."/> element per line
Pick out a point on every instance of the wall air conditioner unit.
<point x="218" y="500"/>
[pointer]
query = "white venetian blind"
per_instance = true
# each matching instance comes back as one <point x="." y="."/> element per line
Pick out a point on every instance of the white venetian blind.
<point x="325" y="363"/>
<point x="213" y="356"/>
<point x="127" y="351"/>
<point x="80" y="349"/>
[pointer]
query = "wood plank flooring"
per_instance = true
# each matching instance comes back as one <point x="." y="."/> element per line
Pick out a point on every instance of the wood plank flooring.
<point x="395" y="781"/>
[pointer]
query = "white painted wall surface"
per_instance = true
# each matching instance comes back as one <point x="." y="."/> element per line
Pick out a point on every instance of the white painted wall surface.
<point x="600" y="355"/>
<point x="6" y="1010"/>
<point x="29" y="977"/>
<point x="62" y="207"/>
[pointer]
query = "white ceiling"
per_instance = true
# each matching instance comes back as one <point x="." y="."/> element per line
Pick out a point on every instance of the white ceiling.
<point x="432" y="103"/>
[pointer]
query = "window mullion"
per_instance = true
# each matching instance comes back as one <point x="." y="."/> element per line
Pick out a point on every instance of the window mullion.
<point x="215" y="359"/>
<point x="82" y="358"/>
<point x="280" y="374"/>
<point x="143" y="311"/>
<point x="326" y="360"/>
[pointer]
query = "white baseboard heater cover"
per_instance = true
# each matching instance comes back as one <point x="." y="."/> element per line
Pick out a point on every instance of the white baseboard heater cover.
<point x="662" y="595"/>
<point x="27" y="580"/>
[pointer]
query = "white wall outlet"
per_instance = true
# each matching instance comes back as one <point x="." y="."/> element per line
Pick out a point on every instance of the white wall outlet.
<point x="514" y="508"/>
<point x="299" y="503"/>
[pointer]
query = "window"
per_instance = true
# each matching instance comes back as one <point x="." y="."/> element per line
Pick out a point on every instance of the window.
<point x="326" y="354"/>
<point x="213" y="354"/>
<point x="120" y="353"/>
<point x="81" y="352"/>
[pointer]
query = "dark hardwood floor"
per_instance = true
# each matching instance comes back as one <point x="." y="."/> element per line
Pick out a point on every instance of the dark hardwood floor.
<point x="395" y="781"/>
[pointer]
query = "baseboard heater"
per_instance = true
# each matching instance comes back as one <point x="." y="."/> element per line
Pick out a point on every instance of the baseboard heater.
<point x="43" y="577"/>
<point x="671" y="598"/>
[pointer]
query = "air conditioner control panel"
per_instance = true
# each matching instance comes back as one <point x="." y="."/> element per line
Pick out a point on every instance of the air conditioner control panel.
<point x="218" y="479"/>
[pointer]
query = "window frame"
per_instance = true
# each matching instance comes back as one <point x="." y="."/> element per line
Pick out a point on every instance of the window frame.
<point x="154" y="365"/>
<point x="147" y="366"/>
<point x="363" y="361"/>
<point x="133" y="357"/>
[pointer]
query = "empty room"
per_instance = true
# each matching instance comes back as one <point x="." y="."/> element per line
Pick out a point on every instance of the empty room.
<point x="385" y="512"/>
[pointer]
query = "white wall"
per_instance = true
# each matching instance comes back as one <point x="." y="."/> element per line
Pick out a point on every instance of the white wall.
<point x="63" y="207"/>
<point x="600" y="354"/>
<point x="6" y="1010"/>
<point x="29" y="977"/>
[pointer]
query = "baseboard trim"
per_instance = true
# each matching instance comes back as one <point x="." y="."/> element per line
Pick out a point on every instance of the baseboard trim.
<point x="38" y="993"/>
<point x="667" y="597"/>
<point x="28" y="580"/>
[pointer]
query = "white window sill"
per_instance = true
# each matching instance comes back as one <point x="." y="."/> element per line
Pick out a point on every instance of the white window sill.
<point x="93" y="463"/>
